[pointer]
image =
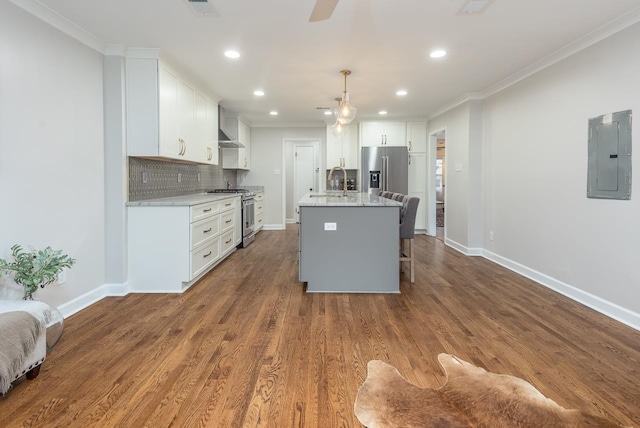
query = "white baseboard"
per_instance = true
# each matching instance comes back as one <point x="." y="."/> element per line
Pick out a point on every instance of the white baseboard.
<point x="462" y="248"/>
<point x="93" y="296"/>
<point x="274" y="227"/>
<point x="625" y="316"/>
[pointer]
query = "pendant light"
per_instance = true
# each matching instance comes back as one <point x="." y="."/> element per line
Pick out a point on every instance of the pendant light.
<point x="345" y="112"/>
<point x="339" y="130"/>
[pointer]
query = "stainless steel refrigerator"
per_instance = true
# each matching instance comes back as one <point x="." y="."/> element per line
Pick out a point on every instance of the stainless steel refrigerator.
<point x="385" y="168"/>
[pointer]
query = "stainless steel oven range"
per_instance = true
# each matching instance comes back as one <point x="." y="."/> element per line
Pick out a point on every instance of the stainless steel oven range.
<point x="248" y="213"/>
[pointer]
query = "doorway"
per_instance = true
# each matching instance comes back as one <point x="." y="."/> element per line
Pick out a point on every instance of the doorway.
<point x="440" y="183"/>
<point x="304" y="174"/>
<point x="436" y="185"/>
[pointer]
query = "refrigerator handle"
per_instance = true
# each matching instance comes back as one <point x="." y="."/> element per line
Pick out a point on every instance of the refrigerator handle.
<point x="383" y="175"/>
<point x="385" y="162"/>
<point x="386" y="170"/>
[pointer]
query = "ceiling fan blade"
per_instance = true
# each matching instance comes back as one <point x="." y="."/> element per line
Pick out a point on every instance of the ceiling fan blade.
<point x="323" y="10"/>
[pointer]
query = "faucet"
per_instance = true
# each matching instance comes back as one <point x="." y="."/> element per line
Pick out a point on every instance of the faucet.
<point x="344" y="191"/>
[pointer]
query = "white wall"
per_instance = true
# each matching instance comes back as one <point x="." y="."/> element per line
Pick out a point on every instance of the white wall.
<point x="266" y="157"/>
<point x="51" y="148"/>
<point x="534" y="175"/>
<point x="536" y="136"/>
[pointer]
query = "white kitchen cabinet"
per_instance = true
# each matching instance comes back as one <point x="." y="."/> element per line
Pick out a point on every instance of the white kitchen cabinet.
<point x="343" y="151"/>
<point x="259" y="211"/>
<point x="381" y="133"/>
<point x="171" y="247"/>
<point x="212" y="153"/>
<point x="418" y="185"/>
<point x="238" y="221"/>
<point x="417" y="136"/>
<point x="166" y="116"/>
<point x="237" y="158"/>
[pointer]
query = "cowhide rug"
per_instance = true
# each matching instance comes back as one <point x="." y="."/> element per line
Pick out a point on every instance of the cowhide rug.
<point x="470" y="397"/>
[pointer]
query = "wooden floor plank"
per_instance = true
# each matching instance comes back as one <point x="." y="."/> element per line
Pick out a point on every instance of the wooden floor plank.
<point x="246" y="346"/>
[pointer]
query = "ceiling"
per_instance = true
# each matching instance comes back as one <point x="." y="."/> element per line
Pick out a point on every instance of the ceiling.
<point x="385" y="43"/>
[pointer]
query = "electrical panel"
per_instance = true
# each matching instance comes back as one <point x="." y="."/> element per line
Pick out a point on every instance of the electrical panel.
<point x="609" y="168"/>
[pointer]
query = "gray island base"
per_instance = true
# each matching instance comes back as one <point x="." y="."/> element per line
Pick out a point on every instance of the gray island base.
<point x="349" y="244"/>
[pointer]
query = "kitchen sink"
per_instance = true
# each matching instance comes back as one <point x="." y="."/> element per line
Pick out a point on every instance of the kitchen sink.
<point x="324" y="195"/>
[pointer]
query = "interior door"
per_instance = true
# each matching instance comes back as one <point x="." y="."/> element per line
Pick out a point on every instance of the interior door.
<point x="303" y="174"/>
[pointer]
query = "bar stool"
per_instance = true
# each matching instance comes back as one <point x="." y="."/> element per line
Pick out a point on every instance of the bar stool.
<point x="407" y="231"/>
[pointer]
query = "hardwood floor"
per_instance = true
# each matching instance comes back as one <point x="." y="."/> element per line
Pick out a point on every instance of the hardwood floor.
<point x="247" y="347"/>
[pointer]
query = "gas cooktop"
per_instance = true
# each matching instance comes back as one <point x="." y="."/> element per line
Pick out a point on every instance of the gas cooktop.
<point x="228" y="191"/>
<point x="245" y="193"/>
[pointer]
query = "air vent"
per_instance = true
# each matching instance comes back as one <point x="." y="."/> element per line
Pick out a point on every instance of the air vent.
<point x="474" y="6"/>
<point x="202" y="7"/>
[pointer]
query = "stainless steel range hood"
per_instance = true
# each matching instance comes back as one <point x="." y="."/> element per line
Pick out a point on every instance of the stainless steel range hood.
<point x="224" y="140"/>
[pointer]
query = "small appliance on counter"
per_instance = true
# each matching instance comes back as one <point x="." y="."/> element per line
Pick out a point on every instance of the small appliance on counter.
<point x="248" y="213"/>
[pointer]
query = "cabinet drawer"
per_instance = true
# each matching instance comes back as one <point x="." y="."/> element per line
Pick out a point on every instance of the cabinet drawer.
<point x="204" y="230"/>
<point x="226" y="242"/>
<point x="259" y="221"/>
<point x="226" y="221"/>
<point x="203" y="257"/>
<point x="259" y="206"/>
<point x="200" y="211"/>
<point x="226" y="205"/>
<point x="259" y="196"/>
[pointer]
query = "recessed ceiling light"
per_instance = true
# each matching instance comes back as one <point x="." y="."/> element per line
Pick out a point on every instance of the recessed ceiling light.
<point x="382" y="112"/>
<point x="401" y="92"/>
<point x="273" y="113"/>
<point x="438" y="53"/>
<point x="232" y="54"/>
<point x="328" y="113"/>
<point x="258" y="93"/>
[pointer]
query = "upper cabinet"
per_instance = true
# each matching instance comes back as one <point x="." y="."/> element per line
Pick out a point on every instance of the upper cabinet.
<point x="237" y="158"/>
<point x="168" y="117"/>
<point x="343" y="151"/>
<point x="383" y="133"/>
<point x="417" y="136"/>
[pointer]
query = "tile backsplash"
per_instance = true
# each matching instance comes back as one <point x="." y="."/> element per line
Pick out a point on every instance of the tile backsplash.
<point x="150" y="178"/>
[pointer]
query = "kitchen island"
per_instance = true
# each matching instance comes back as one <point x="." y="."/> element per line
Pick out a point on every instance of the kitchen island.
<point x="349" y="244"/>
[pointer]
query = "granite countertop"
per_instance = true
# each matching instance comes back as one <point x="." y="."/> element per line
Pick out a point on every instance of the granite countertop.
<point x="336" y="199"/>
<point x="183" y="200"/>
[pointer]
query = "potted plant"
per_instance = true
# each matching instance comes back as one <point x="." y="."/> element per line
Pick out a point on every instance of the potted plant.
<point x="35" y="268"/>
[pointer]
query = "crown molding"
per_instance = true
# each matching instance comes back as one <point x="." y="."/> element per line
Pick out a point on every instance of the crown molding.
<point x="61" y="23"/>
<point x="590" y="39"/>
<point x="115" y="50"/>
<point x="288" y="125"/>
<point x="472" y="96"/>
<point x="607" y="30"/>
<point x="143" y="53"/>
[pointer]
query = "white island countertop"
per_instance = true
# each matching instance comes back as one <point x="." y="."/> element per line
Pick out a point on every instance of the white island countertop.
<point x="336" y="199"/>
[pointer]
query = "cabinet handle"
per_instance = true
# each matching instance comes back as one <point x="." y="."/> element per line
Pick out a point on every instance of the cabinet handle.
<point x="207" y="231"/>
<point x="226" y="242"/>
<point x="207" y="210"/>
<point x="206" y="255"/>
<point x="260" y="221"/>
<point x="245" y="162"/>
<point x="228" y="221"/>
<point x="410" y="145"/>
<point x="227" y="205"/>
<point x="409" y="159"/>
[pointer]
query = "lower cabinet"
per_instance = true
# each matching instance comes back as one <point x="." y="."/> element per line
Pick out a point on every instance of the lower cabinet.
<point x="259" y="211"/>
<point x="171" y="247"/>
